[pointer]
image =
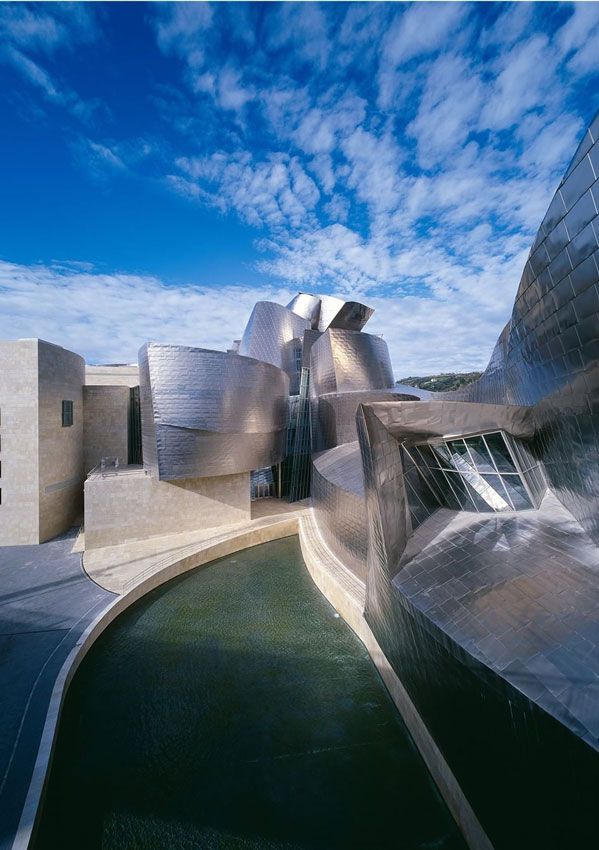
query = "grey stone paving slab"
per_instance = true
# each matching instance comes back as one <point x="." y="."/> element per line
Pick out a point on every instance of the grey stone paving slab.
<point x="46" y="602"/>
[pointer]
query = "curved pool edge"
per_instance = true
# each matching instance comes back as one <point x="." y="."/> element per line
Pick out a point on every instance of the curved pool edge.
<point x="265" y="531"/>
<point x="346" y="593"/>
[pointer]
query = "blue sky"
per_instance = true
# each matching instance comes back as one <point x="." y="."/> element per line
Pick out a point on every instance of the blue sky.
<point x="163" y="166"/>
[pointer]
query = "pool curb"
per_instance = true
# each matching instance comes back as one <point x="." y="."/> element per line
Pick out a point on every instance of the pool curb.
<point x="346" y="593"/>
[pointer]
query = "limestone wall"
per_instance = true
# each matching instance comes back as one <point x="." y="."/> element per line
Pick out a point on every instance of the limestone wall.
<point x="131" y="505"/>
<point x="105" y="424"/>
<point x="125" y="376"/>
<point x="61" y="375"/>
<point x="19" y="519"/>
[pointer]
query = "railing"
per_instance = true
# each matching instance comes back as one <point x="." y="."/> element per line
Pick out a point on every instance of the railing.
<point x="110" y="466"/>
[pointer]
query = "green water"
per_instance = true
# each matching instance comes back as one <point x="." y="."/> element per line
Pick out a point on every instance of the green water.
<point x="232" y="709"/>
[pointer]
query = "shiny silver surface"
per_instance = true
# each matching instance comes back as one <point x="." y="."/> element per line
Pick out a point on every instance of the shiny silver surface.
<point x="274" y="334"/>
<point x="542" y="385"/>
<point x="346" y="361"/>
<point x="491" y="620"/>
<point x="338" y="502"/>
<point x="548" y="353"/>
<point x="307" y="306"/>
<point x="414" y="421"/>
<point x="337" y="414"/>
<point x="207" y="413"/>
<point x="324" y="311"/>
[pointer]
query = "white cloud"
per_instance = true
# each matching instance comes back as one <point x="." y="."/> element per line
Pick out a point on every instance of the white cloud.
<point x="419" y="29"/>
<point x="402" y="153"/>
<point x="276" y="192"/>
<point x="301" y="28"/>
<point x="525" y="80"/>
<point x="231" y="92"/>
<point x="46" y="29"/>
<point x="107" y="317"/>
<point x="373" y="173"/>
<point x="180" y="28"/>
<point x="448" y="110"/>
<point x="509" y="26"/>
<point x="26" y="31"/>
<point x="579" y="38"/>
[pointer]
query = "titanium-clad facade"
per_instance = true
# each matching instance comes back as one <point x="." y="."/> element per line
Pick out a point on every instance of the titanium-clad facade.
<point x="345" y="361"/>
<point x="491" y="620"/>
<point x="208" y="413"/>
<point x="324" y="311"/>
<point x="347" y="368"/>
<point x="336" y="414"/>
<point x="338" y="504"/>
<point x="274" y="335"/>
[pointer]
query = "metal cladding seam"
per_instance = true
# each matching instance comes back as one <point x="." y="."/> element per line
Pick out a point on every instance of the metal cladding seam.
<point x="209" y="413"/>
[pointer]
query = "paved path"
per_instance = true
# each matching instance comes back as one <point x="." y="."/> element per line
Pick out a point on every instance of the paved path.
<point x="46" y="602"/>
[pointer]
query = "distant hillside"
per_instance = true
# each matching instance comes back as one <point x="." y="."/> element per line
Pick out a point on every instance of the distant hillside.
<point x="442" y="383"/>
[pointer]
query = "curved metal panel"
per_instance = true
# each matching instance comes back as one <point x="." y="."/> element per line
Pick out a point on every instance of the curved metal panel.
<point x="346" y="361"/>
<point x="307" y="306"/>
<point x="324" y="311"/>
<point x="207" y="413"/>
<point x="337" y="414"/>
<point x="340" y="510"/>
<point x="274" y="335"/>
<point x="352" y="316"/>
<point x="548" y="353"/>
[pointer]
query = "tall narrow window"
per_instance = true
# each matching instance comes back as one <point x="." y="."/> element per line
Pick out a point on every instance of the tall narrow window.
<point x="67" y="413"/>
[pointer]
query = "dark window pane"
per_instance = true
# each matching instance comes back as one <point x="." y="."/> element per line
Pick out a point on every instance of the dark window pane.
<point x="427" y="456"/>
<point x="67" y="413"/>
<point x="515" y="487"/>
<point x="443" y="487"/>
<point x="480" y="503"/>
<point x="479" y="452"/>
<point x="457" y="447"/>
<point x="495" y="495"/>
<point x="461" y="492"/>
<point x="500" y="452"/>
<point x="443" y="456"/>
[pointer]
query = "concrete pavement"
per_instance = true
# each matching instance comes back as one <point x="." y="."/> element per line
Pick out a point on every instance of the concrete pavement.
<point x="46" y="603"/>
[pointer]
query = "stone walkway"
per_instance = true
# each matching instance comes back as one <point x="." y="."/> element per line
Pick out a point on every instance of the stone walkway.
<point x="46" y="602"/>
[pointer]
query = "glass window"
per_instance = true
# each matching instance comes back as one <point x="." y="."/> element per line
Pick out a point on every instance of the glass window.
<point x="443" y="456"/>
<point x="459" y="488"/>
<point x="495" y="494"/>
<point x="500" y="452"/>
<point x="426" y="455"/>
<point x="457" y="447"/>
<point x="515" y="487"/>
<point x="480" y="454"/>
<point x="451" y="500"/>
<point x="67" y="413"/>
<point x="462" y="473"/>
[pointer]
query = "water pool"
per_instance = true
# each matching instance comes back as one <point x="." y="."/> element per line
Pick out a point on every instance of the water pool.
<point x="231" y="708"/>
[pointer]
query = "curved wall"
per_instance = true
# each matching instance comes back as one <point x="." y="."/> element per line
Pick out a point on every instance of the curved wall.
<point x="210" y="413"/>
<point x="337" y="414"/>
<point x="548" y="353"/>
<point x="533" y="764"/>
<point x="339" y="507"/>
<point x="272" y="334"/>
<point x="324" y="311"/>
<point x="346" y="361"/>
